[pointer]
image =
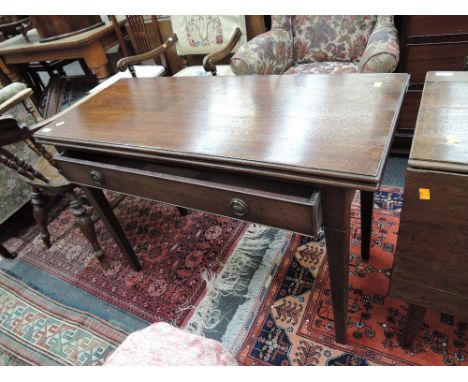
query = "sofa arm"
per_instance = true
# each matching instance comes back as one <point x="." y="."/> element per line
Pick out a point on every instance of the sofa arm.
<point x="383" y="51"/>
<point x="267" y="53"/>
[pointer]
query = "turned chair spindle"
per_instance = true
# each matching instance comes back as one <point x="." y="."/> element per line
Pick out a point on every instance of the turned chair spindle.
<point x="44" y="177"/>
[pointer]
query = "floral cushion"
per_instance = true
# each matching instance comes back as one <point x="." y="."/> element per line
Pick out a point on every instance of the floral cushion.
<point x="161" y="344"/>
<point x="325" y="68"/>
<point x="371" y="41"/>
<point x="331" y="38"/>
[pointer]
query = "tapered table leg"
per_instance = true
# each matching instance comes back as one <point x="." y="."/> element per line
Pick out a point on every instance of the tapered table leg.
<point x="367" y="207"/>
<point x="6" y="253"/>
<point x="101" y="205"/>
<point x="414" y="319"/>
<point x="336" y="220"/>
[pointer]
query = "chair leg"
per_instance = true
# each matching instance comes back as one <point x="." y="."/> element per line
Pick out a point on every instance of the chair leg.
<point x="32" y="109"/>
<point x="40" y="214"/>
<point x="6" y="253"/>
<point x="182" y="211"/>
<point x="84" y="222"/>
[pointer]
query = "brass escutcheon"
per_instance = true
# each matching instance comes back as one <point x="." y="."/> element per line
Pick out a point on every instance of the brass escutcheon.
<point x="97" y="177"/>
<point x="239" y="207"/>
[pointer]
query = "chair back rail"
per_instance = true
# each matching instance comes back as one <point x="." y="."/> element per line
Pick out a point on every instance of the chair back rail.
<point x="10" y="133"/>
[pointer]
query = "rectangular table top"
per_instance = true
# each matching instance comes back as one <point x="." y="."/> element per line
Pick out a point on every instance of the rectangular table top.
<point x="330" y="126"/>
<point x="441" y="134"/>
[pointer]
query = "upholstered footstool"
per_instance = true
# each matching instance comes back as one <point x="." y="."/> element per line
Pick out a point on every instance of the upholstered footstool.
<point x="161" y="344"/>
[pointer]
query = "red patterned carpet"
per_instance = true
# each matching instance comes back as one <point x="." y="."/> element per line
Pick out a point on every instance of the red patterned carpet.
<point x="293" y="321"/>
<point x="294" y="325"/>
<point x="174" y="252"/>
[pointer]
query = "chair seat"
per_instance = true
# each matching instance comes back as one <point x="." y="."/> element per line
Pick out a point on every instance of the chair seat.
<point x="161" y="344"/>
<point x="11" y="90"/>
<point x="197" y="71"/>
<point x="324" y="67"/>
<point x="142" y="71"/>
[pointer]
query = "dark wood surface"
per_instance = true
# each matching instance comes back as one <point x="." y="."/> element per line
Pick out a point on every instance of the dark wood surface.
<point x="427" y="43"/>
<point x="430" y="25"/>
<point x="89" y="46"/>
<point x="267" y="149"/>
<point x="442" y="135"/>
<point x="430" y="57"/>
<point x="324" y="125"/>
<point x="51" y="27"/>
<point x="367" y="206"/>
<point x="415" y="316"/>
<point x="430" y="264"/>
<point x="432" y="240"/>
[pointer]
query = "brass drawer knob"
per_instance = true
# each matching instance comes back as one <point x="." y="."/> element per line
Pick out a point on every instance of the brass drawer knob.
<point x="239" y="207"/>
<point x="97" y="177"/>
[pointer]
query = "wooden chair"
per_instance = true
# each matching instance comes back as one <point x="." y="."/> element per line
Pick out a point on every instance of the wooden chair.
<point x="214" y="36"/>
<point x="43" y="176"/>
<point x="142" y="36"/>
<point x="18" y="93"/>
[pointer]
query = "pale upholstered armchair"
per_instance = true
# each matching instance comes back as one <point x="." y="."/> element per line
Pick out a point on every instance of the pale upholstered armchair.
<point x="321" y="44"/>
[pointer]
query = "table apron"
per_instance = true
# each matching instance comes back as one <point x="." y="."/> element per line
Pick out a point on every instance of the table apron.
<point x="56" y="52"/>
<point x="296" y="213"/>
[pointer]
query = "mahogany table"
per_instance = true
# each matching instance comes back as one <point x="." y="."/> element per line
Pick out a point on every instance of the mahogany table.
<point x="90" y="46"/>
<point x="430" y="268"/>
<point x="284" y="151"/>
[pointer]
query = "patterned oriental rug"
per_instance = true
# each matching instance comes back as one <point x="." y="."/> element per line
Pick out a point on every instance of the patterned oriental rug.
<point x="35" y="330"/>
<point x="174" y="252"/>
<point x="262" y="292"/>
<point x="293" y="323"/>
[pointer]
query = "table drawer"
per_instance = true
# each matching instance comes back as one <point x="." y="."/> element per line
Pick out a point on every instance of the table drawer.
<point x="432" y="57"/>
<point x="290" y="207"/>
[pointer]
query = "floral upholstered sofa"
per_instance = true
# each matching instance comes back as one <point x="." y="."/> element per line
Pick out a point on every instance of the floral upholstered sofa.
<point x="321" y="44"/>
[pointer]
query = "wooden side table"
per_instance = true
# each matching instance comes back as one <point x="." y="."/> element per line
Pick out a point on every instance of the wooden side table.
<point x="430" y="268"/>
<point x="427" y="43"/>
<point x="274" y="150"/>
<point x="89" y="46"/>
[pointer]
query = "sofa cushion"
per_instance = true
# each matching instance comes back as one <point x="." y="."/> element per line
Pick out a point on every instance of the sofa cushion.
<point x="331" y="38"/>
